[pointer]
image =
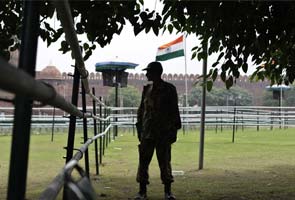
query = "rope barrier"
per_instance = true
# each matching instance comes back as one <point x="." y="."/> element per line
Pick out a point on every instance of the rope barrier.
<point x="23" y="84"/>
<point x="51" y="192"/>
<point x="19" y="82"/>
<point x="101" y="119"/>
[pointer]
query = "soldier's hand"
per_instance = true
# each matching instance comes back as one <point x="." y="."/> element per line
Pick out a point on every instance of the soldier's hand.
<point x="139" y="136"/>
<point x="173" y="136"/>
<point x="172" y="139"/>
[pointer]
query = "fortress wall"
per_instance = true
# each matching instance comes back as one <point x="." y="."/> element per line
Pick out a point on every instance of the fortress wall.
<point x="63" y="84"/>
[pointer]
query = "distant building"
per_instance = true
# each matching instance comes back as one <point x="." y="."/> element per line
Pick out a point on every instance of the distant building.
<point x="62" y="82"/>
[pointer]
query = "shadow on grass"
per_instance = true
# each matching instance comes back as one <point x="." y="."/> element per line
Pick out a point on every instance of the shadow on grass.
<point x="274" y="183"/>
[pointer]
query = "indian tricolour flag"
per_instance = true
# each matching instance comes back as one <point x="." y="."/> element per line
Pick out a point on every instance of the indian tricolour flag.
<point x="171" y="50"/>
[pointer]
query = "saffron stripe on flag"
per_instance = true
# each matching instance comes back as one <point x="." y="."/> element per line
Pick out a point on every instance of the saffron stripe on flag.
<point x="170" y="50"/>
<point x="174" y="47"/>
<point x="178" y="40"/>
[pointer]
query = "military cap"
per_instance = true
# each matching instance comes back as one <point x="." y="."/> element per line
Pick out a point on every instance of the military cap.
<point x="155" y="67"/>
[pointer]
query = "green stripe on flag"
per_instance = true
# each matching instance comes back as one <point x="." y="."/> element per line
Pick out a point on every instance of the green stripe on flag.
<point x="171" y="55"/>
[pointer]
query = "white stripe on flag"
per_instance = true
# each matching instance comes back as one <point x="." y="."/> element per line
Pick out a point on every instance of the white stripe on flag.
<point x="172" y="48"/>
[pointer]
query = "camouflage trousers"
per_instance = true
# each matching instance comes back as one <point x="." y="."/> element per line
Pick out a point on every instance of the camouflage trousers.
<point x="146" y="150"/>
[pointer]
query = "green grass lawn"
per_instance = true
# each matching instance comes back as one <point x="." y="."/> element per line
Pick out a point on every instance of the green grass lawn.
<point x="258" y="166"/>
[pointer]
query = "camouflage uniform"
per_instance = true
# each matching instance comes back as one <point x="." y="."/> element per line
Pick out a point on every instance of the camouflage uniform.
<point x="157" y="123"/>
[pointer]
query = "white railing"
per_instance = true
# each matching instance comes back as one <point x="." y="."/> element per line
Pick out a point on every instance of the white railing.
<point x="190" y="116"/>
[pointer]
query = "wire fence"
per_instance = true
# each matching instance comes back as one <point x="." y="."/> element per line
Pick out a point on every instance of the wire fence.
<point x="27" y="90"/>
<point x="246" y="116"/>
<point x="21" y="82"/>
<point x="56" y="185"/>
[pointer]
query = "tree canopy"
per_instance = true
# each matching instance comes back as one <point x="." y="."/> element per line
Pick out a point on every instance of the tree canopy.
<point x="98" y="20"/>
<point x="235" y="96"/>
<point x="239" y="31"/>
<point x="128" y="97"/>
<point x="288" y="98"/>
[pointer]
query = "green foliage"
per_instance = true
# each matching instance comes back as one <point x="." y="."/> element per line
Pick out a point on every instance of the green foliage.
<point x="238" y="31"/>
<point x="268" y="100"/>
<point x="9" y="27"/>
<point x="130" y="96"/>
<point x="288" y="98"/>
<point x="221" y="97"/>
<point x="98" y="20"/>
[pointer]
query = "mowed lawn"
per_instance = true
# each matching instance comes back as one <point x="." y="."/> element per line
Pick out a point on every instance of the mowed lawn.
<point x="258" y="166"/>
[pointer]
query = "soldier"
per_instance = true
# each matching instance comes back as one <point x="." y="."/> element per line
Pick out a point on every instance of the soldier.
<point x="157" y="123"/>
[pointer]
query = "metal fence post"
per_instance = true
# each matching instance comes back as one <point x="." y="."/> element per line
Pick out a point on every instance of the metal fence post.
<point x="85" y="132"/>
<point x="105" y="124"/>
<point x="72" y="125"/>
<point x="234" y="126"/>
<point x="183" y="126"/>
<point x="133" y="126"/>
<point x="23" y="105"/>
<point x="53" y="122"/>
<point x="286" y="120"/>
<point x="257" y="121"/>
<point x="100" y="125"/>
<point x="100" y="139"/>
<point x="95" y="133"/>
<point x="271" y="121"/>
<point x="242" y="121"/>
<point x="237" y="120"/>
<point x="221" y="121"/>
<point x="109" y="111"/>
<point x="216" y="122"/>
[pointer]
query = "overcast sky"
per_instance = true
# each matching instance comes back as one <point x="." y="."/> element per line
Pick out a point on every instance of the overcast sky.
<point x="141" y="49"/>
<point x="124" y="47"/>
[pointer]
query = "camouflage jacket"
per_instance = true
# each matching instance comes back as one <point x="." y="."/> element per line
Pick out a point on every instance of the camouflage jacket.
<point x="158" y="114"/>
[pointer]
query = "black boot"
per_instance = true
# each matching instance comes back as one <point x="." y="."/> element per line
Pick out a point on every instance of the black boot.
<point x="141" y="195"/>
<point x="168" y="194"/>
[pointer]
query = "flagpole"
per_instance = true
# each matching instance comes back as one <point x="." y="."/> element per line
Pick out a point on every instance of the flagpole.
<point x="185" y="71"/>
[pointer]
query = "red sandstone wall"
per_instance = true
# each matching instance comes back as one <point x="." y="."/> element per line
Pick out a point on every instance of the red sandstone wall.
<point x="63" y="84"/>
